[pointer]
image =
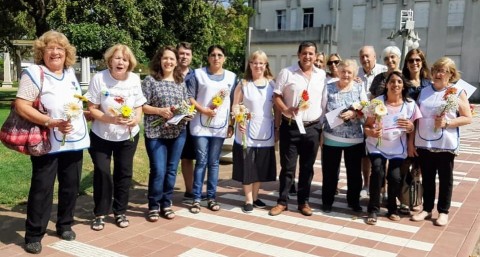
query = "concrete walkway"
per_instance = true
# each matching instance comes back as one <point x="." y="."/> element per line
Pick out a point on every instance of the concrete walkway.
<point x="230" y="232"/>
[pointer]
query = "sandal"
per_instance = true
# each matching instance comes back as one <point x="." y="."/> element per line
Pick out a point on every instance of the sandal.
<point x="372" y="218"/>
<point x="98" y="223"/>
<point x="122" y="221"/>
<point x="168" y="213"/>
<point x="213" y="205"/>
<point x="393" y="217"/>
<point x="153" y="215"/>
<point x="195" y="208"/>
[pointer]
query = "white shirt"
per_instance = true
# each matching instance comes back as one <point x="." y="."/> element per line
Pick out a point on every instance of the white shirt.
<point x="105" y="91"/>
<point x="291" y="82"/>
<point x="367" y="78"/>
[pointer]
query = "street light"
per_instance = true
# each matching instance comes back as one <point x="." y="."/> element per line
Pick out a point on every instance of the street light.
<point x="407" y="32"/>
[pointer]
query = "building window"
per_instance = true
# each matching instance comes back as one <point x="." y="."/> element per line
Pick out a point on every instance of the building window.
<point x="389" y="15"/>
<point x="456" y="10"/>
<point x="308" y="18"/>
<point x="358" y="19"/>
<point x="420" y="14"/>
<point x="281" y="19"/>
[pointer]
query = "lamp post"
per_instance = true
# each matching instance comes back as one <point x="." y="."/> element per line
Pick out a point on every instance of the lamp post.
<point x="407" y="32"/>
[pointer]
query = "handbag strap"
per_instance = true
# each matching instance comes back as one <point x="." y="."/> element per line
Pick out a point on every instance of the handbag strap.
<point x="37" y="103"/>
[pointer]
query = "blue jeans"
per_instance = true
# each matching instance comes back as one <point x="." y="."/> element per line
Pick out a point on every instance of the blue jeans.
<point x="164" y="155"/>
<point x="207" y="153"/>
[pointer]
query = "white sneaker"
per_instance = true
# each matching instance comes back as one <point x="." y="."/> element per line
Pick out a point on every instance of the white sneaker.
<point x="423" y="215"/>
<point x="442" y="219"/>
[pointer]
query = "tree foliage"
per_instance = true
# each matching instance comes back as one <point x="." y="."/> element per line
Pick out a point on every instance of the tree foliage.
<point x="94" y="25"/>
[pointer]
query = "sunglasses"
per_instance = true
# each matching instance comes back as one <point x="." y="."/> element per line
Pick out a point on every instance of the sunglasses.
<point x="413" y="60"/>
<point x="336" y="62"/>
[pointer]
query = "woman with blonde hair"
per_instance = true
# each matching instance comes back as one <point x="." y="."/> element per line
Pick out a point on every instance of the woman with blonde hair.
<point x="53" y="80"/>
<point x="115" y="102"/>
<point x="253" y="150"/>
<point x="445" y="108"/>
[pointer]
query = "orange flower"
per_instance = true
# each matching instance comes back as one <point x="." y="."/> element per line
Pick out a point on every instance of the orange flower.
<point x="448" y="92"/>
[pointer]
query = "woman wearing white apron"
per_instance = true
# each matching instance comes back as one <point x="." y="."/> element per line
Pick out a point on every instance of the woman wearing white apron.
<point x="392" y="131"/>
<point x="209" y="90"/>
<point x="253" y="150"/>
<point x="437" y="137"/>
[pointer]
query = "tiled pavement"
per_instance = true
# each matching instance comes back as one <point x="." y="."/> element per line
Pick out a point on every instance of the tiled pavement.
<point x="230" y="232"/>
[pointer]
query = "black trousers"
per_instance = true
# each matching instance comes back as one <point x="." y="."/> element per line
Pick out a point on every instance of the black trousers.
<point x="331" y="158"/>
<point x="108" y="188"/>
<point x="68" y="166"/>
<point x="430" y="164"/>
<point x="295" y="146"/>
<point x="377" y="178"/>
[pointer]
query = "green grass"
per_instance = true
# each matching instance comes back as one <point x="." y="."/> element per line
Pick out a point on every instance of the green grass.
<point x="16" y="169"/>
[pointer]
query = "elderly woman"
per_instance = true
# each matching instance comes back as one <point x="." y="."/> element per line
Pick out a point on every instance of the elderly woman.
<point x="209" y="90"/>
<point x="391" y="58"/>
<point x="253" y="151"/>
<point x="55" y="81"/>
<point x="332" y="63"/>
<point x="164" y="88"/>
<point x="115" y="102"/>
<point x="445" y="108"/>
<point x="386" y="140"/>
<point x="346" y="138"/>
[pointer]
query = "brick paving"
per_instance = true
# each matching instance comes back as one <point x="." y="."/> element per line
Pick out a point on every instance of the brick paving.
<point x="230" y="232"/>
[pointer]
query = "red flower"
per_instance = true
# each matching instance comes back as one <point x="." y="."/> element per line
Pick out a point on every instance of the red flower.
<point x="119" y="99"/>
<point x="305" y="96"/>
<point x="448" y="92"/>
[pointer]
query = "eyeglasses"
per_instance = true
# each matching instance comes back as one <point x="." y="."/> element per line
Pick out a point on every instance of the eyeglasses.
<point x="336" y="62"/>
<point x="216" y="55"/>
<point x="413" y="60"/>
<point x="257" y="63"/>
<point x="51" y="49"/>
<point x="440" y="71"/>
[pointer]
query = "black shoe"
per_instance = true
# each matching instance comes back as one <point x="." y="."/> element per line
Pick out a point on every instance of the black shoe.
<point x="356" y="208"/>
<point x="259" y="204"/>
<point x="68" y="235"/>
<point x="247" y="208"/>
<point x="292" y="191"/>
<point x="327" y="208"/>
<point x="34" y="247"/>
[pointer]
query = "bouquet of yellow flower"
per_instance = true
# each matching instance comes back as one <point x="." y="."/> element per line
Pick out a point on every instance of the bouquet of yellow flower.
<point x="450" y="104"/>
<point x="181" y="109"/>
<point x="123" y="111"/>
<point x="217" y="101"/>
<point x="377" y="109"/>
<point x="73" y="110"/>
<point x="357" y="107"/>
<point x="242" y="115"/>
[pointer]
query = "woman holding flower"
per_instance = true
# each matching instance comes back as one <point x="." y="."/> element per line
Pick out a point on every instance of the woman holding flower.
<point x="53" y="80"/>
<point x="115" y="102"/>
<point x="346" y="137"/>
<point x="445" y="108"/>
<point x="209" y="90"/>
<point x="255" y="134"/>
<point x="389" y="118"/>
<point x="166" y="94"/>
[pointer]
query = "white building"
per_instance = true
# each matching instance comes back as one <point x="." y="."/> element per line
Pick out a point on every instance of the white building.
<point x="446" y="28"/>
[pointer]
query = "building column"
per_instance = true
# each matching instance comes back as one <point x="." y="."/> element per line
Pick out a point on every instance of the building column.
<point x="7" y="73"/>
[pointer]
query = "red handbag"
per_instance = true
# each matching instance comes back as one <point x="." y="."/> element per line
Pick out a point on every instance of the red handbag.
<point x="24" y="136"/>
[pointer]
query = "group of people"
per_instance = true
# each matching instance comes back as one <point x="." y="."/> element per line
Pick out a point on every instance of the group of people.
<point x="257" y="110"/>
